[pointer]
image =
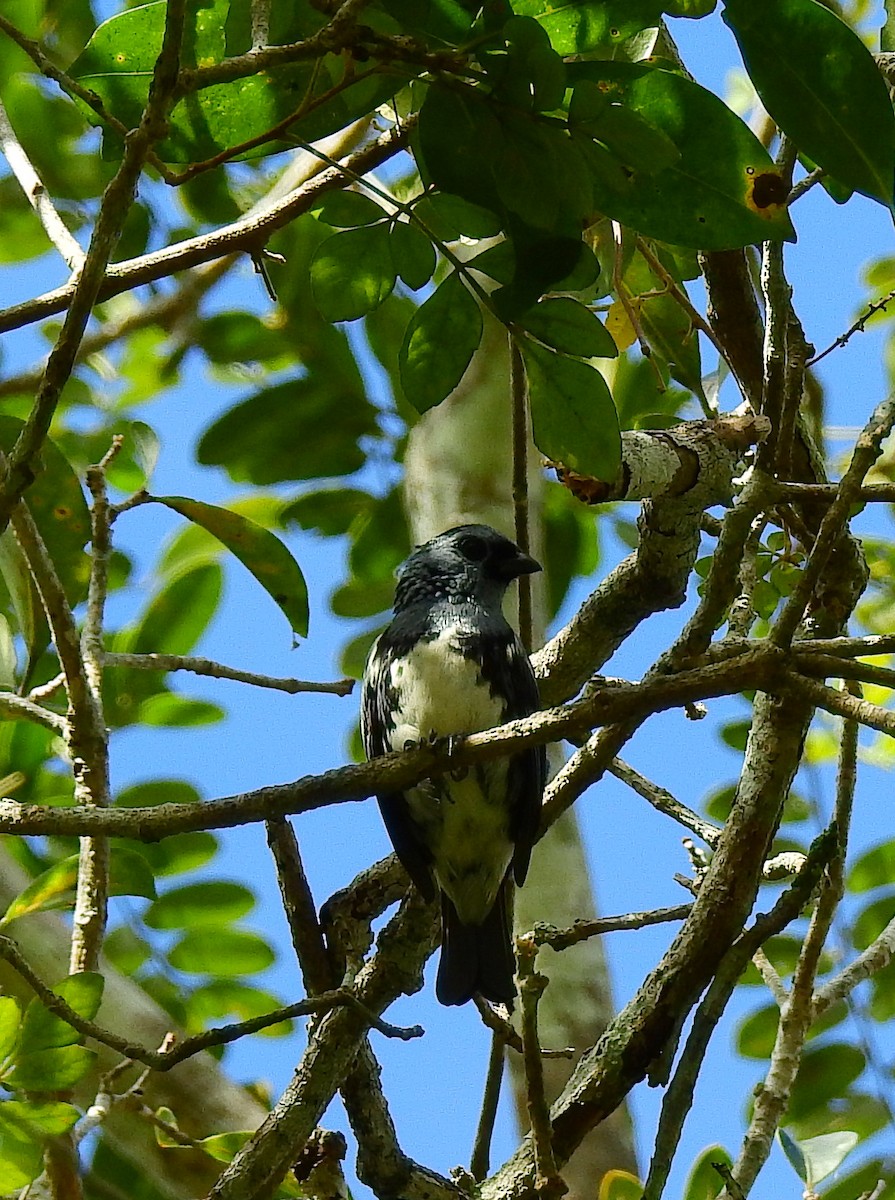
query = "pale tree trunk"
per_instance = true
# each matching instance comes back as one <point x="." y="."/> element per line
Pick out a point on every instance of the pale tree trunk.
<point x="458" y="469"/>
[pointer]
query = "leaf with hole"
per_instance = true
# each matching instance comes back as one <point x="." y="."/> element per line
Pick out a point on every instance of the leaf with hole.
<point x="578" y="26"/>
<point x="722" y="191"/>
<point x="820" y="84"/>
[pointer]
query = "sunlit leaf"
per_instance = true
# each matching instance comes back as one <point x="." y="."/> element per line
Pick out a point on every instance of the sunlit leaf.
<point x="705" y="1182"/>
<point x="129" y="875"/>
<point x="723" y="191"/>
<point x="43" y="1030"/>
<point x="257" y="548"/>
<point x="10" y="1022"/>
<point x="51" y="1070"/>
<point x="213" y="902"/>
<point x="221" y="951"/>
<point x="830" y="97"/>
<point x="576" y="26"/>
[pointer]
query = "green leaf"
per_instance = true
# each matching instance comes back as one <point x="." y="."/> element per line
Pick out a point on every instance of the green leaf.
<point x="261" y="551"/>
<point x="527" y="72"/>
<point x="43" y="1030"/>
<point x="10" y="1021"/>
<point x="48" y="1118"/>
<point x="320" y="94"/>
<point x="129" y="875"/>
<point x="574" y="421"/>
<point x="872" y="921"/>
<point x="441" y="338"/>
<point x="179" y="614"/>
<point x="506" y="160"/>
<point x="825" y="1073"/>
<point x="223" y="1147"/>
<point x="125" y="950"/>
<point x="413" y="255"/>
<point x="241" y="337"/>
<point x="874" y="869"/>
<point x="21" y="1151"/>
<point x="352" y="272"/>
<point x="231" y="998"/>
<point x="577" y="26"/>
<point x="620" y="1185"/>
<point x="345" y="210"/>
<point x="330" y="511"/>
<point x="757" y="1033"/>
<point x="793" y="1152"/>
<point x="180" y="852"/>
<point x="303" y="429"/>
<point x="817" y="1157"/>
<point x="704" y="1182"/>
<point x="7" y="656"/>
<point x="829" y="96"/>
<point x="169" y="709"/>
<point x="198" y="904"/>
<point x="50" y="1070"/>
<point x="566" y="325"/>
<point x="53" y="889"/>
<point x="722" y="192"/>
<point x="57" y="504"/>
<point x="452" y="217"/>
<point x="443" y="20"/>
<point x="221" y="951"/>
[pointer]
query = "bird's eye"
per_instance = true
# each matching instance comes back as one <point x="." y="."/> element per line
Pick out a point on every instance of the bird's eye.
<point x="472" y="547"/>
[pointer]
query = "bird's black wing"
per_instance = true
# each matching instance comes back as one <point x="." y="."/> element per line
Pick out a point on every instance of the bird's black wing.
<point x="507" y="669"/>
<point x="376" y="724"/>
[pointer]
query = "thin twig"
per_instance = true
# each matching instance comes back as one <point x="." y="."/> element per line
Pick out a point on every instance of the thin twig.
<point x="87" y="742"/>
<point x="796" y="1016"/>
<point x="679" y="1096"/>
<point x="116" y="203"/>
<point x="520" y="484"/>
<point x="548" y="1182"/>
<point x="767" y="971"/>
<point x="37" y="195"/>
<point x="857" y="327"/>
<point x="245" y="234"/>
<point x="18" y="708"/>
<point x="480" y="1160"/>
<point x="664" y="802"/>
<point x="101" y="543"/>
<point x="174" y="1051"/>
<point x="561" y="939"/>
<point x="866" y="451"/>
<point x="206" y="666"/>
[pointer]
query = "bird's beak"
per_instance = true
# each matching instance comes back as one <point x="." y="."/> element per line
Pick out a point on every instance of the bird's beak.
<point x="521" y="564"/>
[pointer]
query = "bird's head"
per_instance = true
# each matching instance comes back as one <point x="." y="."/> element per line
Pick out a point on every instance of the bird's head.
<point x="466" y="563"/>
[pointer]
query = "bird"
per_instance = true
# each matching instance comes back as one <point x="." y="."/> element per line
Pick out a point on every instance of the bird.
<point x="450" y="664"/>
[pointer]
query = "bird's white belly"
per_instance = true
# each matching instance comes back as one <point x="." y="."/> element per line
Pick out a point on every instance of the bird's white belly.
<point x="440" y="692"/>
<point x="462" y="815"/>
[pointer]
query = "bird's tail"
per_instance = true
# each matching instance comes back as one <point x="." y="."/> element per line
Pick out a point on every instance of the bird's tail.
<point x="476" y="958"/>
